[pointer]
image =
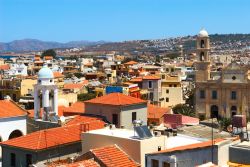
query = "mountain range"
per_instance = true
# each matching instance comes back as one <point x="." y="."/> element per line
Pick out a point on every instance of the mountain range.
<point x="36" y="45"/>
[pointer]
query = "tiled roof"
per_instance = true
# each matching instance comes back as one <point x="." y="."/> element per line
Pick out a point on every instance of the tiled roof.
<point x="77" y="107"/>
<point x="57" y="74"/>
<point x="83" y="119"/>
<point x="175" y="120"/>
<point x="131" y="63"/>
<point x="48" y="57"/>
<point x="138" y="79"/>
<point x="10" y="109"/>
<point x="4" y="67"/>
<point x="85" y="163"/>
<point x="112" y="156"/>
<point x="151" y="77"/>
<point x="190" y="146"/>
<point x="117" y="99"/>
<point x="75" y="85"/>
<point x="156" y="111"/>
<point x="53" y="137"/>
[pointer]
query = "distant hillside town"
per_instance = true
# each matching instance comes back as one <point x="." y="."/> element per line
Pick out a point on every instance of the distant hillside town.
<point x="176" y="102"/>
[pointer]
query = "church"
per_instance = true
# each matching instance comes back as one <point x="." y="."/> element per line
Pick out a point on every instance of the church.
<point x="224" y="95"/>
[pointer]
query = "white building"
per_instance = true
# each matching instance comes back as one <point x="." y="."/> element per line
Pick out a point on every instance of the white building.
<point x="48" y="90"/>
<point x="17" y="69"/>
<point x="12" y="120"/>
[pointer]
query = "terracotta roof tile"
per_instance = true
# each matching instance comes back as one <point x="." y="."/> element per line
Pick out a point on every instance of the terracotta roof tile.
<point x="131" y="63"/>
<point x="113" y="156"/>
<point x="83" y="119"/>
<point x="10" y="109"/>
<point x="138" y="79"/>
<point x="4" y="67"/>
<point x="151" y="77"/>
<point x="53" y="137"/>
<point x="77" y="107"/>
<point x="156" y="111"/>
<point x="75" y="85"/>
<point x="85" y="163"/>
<point x="117" y="99"/>
<point x="57" y="74"/>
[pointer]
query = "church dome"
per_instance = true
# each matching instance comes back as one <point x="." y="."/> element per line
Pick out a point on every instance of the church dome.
<point x="45" y="72"/>
<point x="203" y="33"/>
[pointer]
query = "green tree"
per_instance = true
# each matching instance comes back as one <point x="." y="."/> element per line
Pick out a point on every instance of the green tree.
<point x="49" y="52"/>
<point x="78" y="75"/>
<point x="86" y="96"/>
<point x="184" y="109"/>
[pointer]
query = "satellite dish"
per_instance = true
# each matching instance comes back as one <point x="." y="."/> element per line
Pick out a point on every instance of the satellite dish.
<point x="62" y="118"/>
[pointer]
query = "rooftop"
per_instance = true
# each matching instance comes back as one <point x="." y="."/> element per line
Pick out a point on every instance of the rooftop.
<point x="53" y="137"/>
<point x="10" y="109"/>
<point x="116" y="99"/>
<point x="112" y="156"/>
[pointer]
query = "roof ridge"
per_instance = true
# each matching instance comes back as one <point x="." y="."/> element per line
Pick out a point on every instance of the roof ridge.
<point x="38" y="143"/>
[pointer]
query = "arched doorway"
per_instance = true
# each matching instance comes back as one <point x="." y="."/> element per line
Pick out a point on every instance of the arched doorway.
<point x="233" y="111"/>
<point x="15" y="133"/>
<point x="214" y="113"/>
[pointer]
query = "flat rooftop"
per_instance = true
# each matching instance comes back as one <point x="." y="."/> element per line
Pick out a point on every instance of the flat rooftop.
<point x="170" y="142"/>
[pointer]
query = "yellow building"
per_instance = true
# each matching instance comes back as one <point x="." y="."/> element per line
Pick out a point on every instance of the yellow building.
<point x="224" y="95"/>
<point x="171" y="90"/>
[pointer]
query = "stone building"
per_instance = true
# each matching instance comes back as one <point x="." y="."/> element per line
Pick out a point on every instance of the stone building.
<point x="223" y="95"/>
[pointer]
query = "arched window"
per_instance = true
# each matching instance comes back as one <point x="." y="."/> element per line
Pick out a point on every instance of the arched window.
<point x="202" y="56"/>
<point x="233" y="111"/>
<point x="214" y="111"/>
<point x="202" y="44"/>
<point x="15" y="133"/>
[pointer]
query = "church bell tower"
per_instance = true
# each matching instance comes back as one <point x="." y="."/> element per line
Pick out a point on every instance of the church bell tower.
<point x="203" y="58"/>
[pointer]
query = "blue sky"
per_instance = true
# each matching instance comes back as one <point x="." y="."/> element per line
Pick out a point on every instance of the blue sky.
<point x="118" y="20"/>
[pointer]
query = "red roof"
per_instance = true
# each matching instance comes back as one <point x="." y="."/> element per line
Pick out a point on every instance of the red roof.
<point x="175" y="120"/>
<point x="151" y="77"/>
<point x="53" y="137"/>
<point x="131" y="63"/>
<point x="10" y="109"/>
<point x="156" y="111"/>
<point x="77" y="107"/>
<point x="75" y="85"/>
<point x="117" y="99"/>
<point x="57" y="74"/>
<point x="138" y="79"/>
<point x="113" y="156"/>
<point x="4" y="67"/>
<point x="191" y="146"/>
<point x="85" y="163"/>
<point x="83" y="119"/>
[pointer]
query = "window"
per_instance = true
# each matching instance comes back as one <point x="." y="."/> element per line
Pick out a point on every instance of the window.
<point x="172" y="70"/>
<point x="150" y="84"/>
<point x="175" y="85"/>
<point x="163" y="77"/>
<point x="154" y="163"/>
<point x="170" y="85"/>
<point x="202" y="56"/>
<point x="39" y="81"/>
<point x="50" y="80"/>
<point x="28" y="159"/>
<point x="115" y="119"/>
<point x="167" y="99"/>
<point x="167" y="90"/>
<point x="151" y="96"/>
<point x="202" y="94"/>
<point x="202" y="44"/>
<point x="166" y="164"/>
<point x="233" y="95"/>
<point x="234" y="78"/>
<point x="12" y="160"/>
<point x="214" y="94"/>
<point x="133" y="116"/>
